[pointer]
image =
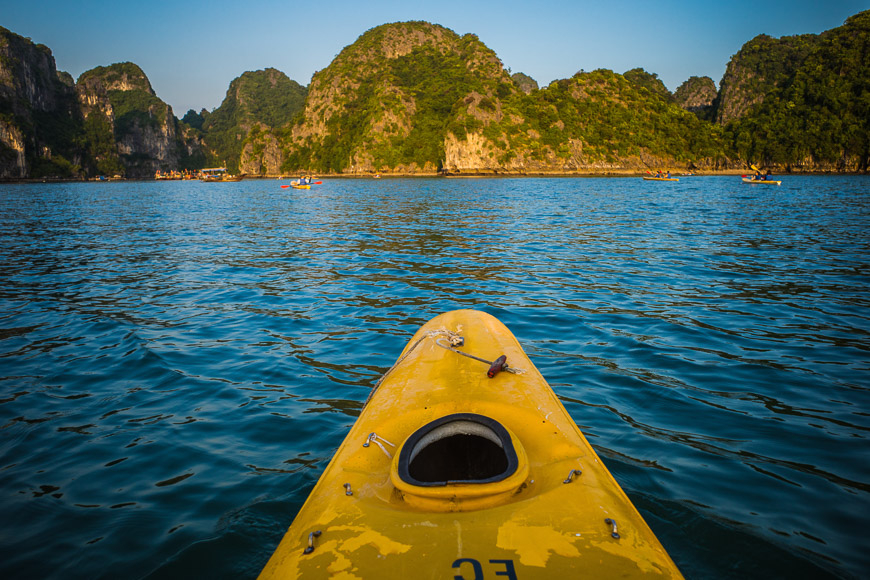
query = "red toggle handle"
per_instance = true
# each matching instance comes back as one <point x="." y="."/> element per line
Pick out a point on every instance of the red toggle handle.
<point x="498" y="366"/>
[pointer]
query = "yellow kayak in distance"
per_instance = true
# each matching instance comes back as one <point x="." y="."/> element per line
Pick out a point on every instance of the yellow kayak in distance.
<point x="464" y="464"/>
<point x="761" y="181"/>
<point x="661" y="179"/>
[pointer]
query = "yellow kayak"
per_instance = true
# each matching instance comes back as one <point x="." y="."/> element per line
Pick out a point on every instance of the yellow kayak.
<point x="761" y="181"/>
<point x="451" y="473"/>
<point x="661" y="179"/>
<point x="297" y="186"/>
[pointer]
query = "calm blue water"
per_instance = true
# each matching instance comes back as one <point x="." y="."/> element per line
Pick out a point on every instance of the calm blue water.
<point x="179" y="361"/>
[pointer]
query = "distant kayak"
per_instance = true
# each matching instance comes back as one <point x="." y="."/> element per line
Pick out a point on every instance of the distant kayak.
<point x="459" y="467"/>
<point x="661" y="179"/>
<point x="761" y="181"/>
<point x="297" y="186"/>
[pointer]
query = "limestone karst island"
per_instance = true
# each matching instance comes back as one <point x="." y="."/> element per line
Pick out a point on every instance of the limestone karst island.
<point x="415" y="98"/>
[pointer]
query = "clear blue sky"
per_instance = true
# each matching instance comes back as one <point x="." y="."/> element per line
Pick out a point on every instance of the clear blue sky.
<point x="192" y="49"/>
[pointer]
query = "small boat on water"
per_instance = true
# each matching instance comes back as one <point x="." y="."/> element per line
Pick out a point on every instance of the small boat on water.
<point x="761" y="181"/>
<point x="463" y="463"/>
<point x="172" y="175"/>
<point x="661" y="178"/>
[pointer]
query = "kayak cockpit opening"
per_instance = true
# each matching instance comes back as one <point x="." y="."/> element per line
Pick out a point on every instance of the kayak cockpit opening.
<point x="459" y="448"/>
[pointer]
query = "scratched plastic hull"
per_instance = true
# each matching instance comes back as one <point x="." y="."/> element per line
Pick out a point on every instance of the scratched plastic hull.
<point x="466" y="476"/>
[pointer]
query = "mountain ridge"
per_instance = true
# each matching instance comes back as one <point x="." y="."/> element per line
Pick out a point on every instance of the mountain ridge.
<point x="417" y="98"/>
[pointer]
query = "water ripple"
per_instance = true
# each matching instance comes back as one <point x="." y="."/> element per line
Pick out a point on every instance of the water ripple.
<point x="179" y="361"/>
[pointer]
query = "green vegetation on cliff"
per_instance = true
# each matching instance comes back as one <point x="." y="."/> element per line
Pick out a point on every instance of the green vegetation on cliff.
<point x="265" y="97"/>
<point x="612" y="117"/>
<point x="128" y="130"/>
<point x="817" y="113"/>
<point x="416" y="96"/>
<point x="122" y="74"/>
<point x="395" y="97"/>
<point x="648" y="81"/>
<point x="391" y="97"/>
<point x="124" y="109"/>
<point x="136" y="109"/>
<point x="101" y="146"/>
<point x="195" y="120"/>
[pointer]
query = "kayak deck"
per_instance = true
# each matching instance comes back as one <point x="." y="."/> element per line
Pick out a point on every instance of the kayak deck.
<point x="450" y="473"/>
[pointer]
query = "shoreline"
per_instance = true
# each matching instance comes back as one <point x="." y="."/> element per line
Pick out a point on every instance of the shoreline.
<point x="460" y="175"/>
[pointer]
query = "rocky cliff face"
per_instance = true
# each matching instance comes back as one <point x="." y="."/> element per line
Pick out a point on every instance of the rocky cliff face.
<point x="141" y="134"/>
<point x="110" y="122"/>
<point x="37" y="111"/>
<point x="241" y="133"/>
<point x="415" y="97"/>
<point x="696" y="94"/>
<point x="261" y="153"/>
<point x="95" y="85"/>
<point x="761" y="65"/>
<point x="386" y="102"/>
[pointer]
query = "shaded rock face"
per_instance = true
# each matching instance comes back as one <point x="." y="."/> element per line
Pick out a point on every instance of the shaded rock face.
<point x="696" y="94"/>
<point x="32" y="94"/>
<point x="525" y="83"/>
<point x="148" y="147"/>
<point x="13" y="163"/>
<point x="262" y="155"/>
<point x="761" y="65"/>
<point x="28" y="73"/>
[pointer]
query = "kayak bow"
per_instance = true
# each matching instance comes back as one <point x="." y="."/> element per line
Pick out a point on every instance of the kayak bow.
<point x="466" y="468"/>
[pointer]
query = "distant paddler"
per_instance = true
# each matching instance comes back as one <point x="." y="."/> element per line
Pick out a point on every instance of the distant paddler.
<point x="659" y="176"/>
<point x="759" y="176"/>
